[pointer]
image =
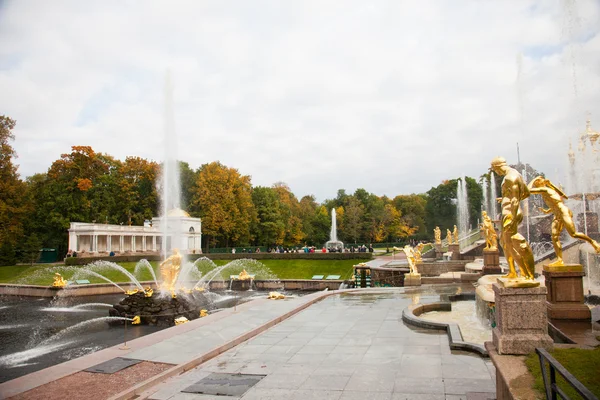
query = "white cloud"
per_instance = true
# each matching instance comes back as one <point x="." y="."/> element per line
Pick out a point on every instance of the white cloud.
<point x="389" y="96"/>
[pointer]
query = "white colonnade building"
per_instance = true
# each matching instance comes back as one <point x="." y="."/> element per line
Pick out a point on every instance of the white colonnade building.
<point x="94" y="239"/>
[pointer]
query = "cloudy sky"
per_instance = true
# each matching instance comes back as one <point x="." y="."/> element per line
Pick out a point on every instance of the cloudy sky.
<point x="391" y="96"/>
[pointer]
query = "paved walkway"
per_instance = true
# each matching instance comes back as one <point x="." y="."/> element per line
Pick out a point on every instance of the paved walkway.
<point x="325" y="345"/>
<point x="349" y="346"/>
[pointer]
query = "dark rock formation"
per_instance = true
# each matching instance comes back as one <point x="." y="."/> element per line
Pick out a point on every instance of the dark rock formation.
<point x="160" y="310"/>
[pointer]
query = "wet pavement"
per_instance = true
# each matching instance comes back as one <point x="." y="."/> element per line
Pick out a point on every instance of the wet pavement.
<point x="347" y="346"/>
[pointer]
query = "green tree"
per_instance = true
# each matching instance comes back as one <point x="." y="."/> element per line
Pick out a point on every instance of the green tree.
<point x="13" y="207"/>
<point x="32" y="248"/>
<point x="441" y="208"/>
<point x="269" y="225"/>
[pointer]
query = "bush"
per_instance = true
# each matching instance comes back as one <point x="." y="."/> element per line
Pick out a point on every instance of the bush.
<point x="283" y="256"/>
<point x="116" y="259"/>
<point x="7" y="254"/>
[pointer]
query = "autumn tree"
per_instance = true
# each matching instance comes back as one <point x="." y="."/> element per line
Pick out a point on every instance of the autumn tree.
<point x="412" y="208"/>
<point x="12" y="195"/>
<point x="223" y="199"/>
<point x="290" y="213"/>
<point x="136" y="179"/>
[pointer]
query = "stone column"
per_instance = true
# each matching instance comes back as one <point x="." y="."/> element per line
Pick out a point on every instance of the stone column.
<point x="109" y="243"/>
<point x="133" y="243"/>
<point x="565" y="292"/>
<point x="412" y="279"/>
<point x="439" y="253"/>
<point x="521" y="321"/>
<point x="73" y="241"/>
<point x="144" y="243"/>
<point x="94" y="243"/>
<point x="121" y="244"/>
<point x="455" y="249"/>
<point x="154" y="243"/>
<point x="491" y="262"/>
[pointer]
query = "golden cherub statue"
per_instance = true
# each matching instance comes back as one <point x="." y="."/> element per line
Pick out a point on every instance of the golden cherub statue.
<point x="455" y="234"/>
<point x="449" y="236"/>
<point x="437" y="233"/>
<point x="59" y="281"/>
<point x="516" y="248"/>
<point x="487" y="227"/>
<point x="169" y="271"/>
<point x="563" y="217"/>
<point x="410" y="257"/>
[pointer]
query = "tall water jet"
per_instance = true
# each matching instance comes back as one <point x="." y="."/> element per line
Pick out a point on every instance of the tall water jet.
<point x="334" y="244"/>
<point x="462" y="206"/>
<point x="493" y="197"/>
<point x="171" y="184"/>
<point x="484" y="189"/>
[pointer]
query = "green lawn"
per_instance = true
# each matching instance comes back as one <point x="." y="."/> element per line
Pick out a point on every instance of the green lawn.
<point x="270" y="269"/>
<point x="583" y="364"/>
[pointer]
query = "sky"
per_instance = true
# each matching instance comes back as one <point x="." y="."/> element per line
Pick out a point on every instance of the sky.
<point x="390" y="96"/>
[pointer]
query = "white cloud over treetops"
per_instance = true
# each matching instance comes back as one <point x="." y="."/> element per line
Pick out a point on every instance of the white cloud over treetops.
<point x="391" y="96"/>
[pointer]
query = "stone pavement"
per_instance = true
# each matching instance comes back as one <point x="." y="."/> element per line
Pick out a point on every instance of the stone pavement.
<point x="347" y="346"/>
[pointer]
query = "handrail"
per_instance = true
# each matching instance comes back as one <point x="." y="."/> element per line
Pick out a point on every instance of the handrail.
<point x="551" y="388"/>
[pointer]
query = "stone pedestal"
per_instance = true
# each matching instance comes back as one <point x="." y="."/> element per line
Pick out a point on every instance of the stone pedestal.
<point x="412" y="279"/>
<point x="565" y="292"/>
<point x="521" y="322"/>
<point x="439" y="253"/>
<point x="455" y="249"/>
<point x="491" y="262"/>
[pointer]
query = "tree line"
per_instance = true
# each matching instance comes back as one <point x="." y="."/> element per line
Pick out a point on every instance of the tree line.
<point x="86" y="186"/>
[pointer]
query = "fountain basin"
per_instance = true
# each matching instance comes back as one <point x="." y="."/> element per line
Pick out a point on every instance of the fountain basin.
<point x="410" y="315"/>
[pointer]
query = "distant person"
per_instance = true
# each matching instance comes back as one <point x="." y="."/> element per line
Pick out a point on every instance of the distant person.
<point x="323" y="250"/>
<point x="74" y="254"/>
<point x="111" y="254"/>
<point x="370" y="248"/>
<point x="258" y="250"/>
<point x="70" y="253"/>
<point x="233" y="250"/>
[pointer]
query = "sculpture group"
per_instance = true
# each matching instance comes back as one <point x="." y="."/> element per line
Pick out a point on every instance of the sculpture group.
<point x="516" y="249"/>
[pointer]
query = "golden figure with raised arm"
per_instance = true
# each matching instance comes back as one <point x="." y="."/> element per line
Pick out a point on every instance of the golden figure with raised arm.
<point x="455" y="234"/>
<point x="448" y="236"/>
<point x="169" y="270"/>
<point x="487" y="227"/>
<point x="563" y="217"/>
<point x="516" y="248"/>
<point x="437" y="233"/>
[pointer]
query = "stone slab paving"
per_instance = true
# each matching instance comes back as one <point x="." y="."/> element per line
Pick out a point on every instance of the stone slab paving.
<point x="348" y="346"/>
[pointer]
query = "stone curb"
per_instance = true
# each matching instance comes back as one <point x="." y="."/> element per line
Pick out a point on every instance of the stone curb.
<point x="140" y="388"/>
<point x="455" y="340"/>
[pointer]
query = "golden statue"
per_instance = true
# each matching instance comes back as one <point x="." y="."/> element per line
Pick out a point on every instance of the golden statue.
<point x="410" y="256"/>
<point x="455" y="234"/>
<point x="516" y="248"/>
<point x="244" y="276"/>
<point x="169" y="271"/>
<point x="448" y="236"/>
<point x="203" y="313"/>
<point x="418" y="252"/>
<point x="275" y="296"/>
<point x="487" y="227"/>
<point x="563" y="217"/>
<point x="181" y="320"/>
<point x="59" y="281"/>
<point x="136" y="320"/>
<point x="437" y="233"/>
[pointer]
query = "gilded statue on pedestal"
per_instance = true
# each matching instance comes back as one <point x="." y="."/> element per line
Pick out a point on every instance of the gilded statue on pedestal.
<point x="437" y="233"/>
<point x="59" y="281"/>
<point x="455" y="234"/>
<point x="487" y="227"/>
<point x="169" y="271"/>
<point x="563" y="217"/>
<point x="516" y="248"/>
<point x="410" y="257"/>
<point x="449" y="236"/>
